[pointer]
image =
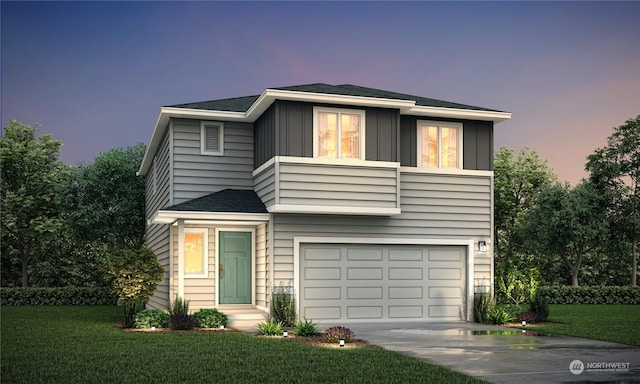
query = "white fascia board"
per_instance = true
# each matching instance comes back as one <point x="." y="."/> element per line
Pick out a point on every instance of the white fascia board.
<point x="158" y="132"/>
<point x="169" y="217"/>
<point x="270" y="95"/>
<point x="452" y="113"/>
<point x="333" y="210"/>
<point x="446" y="171"/>
<point x="203" y="114"/>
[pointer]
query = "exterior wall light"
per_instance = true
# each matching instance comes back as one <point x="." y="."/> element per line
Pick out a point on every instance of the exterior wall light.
<point x="482" y="246"/>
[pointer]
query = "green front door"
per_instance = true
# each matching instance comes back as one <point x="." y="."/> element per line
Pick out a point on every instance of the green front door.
<point x="235" y="267"/>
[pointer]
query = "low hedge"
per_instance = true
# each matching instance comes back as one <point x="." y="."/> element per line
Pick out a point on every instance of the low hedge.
<point x="57" y="296"/>
<point x="590" y="295"/>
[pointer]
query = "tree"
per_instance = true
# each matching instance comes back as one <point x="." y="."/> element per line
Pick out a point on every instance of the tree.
<point x="104" y="200"/>
<point x="30" y="172"/>
<point x="518" y="179"/>
<point x="615" y="171"/>
<point x="567" y="222"/>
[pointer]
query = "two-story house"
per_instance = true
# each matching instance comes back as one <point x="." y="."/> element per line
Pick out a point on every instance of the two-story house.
<point x="367" y="204"/>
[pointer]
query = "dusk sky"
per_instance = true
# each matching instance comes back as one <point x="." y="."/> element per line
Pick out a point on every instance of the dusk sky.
<point x="95" y="74"/>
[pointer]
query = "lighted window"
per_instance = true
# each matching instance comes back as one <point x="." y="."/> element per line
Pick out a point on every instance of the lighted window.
<point x="338" y="133"/>
<point x="439" y="144"/>
<point x="195" y="252"/>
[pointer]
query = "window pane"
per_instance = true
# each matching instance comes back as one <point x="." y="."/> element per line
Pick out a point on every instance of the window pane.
<point x="327" y="134"/>
<point x="449" y="155"/>
<point x="429" y="144"/>
<point x="349" y="136"/>
<point x="193" y="253"/>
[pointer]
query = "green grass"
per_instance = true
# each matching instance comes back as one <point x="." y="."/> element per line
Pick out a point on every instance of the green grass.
<point x="84" y="345"/>
<point x="610" y="322"/>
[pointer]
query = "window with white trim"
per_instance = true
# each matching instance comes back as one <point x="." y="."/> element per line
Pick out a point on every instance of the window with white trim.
<point x="439" y="144"/>
<point x="212" y="138"/>
<point x="338" y="133"/>
<point x="196" y="254"/>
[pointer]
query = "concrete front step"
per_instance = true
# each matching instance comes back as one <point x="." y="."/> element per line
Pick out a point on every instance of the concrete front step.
<point x="243" y="318"/>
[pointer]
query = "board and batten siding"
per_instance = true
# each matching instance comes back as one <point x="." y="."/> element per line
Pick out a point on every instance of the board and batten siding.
<point x="434" y="206"/>
<point x="196" y="175"/>
<point x="157" y="235"/>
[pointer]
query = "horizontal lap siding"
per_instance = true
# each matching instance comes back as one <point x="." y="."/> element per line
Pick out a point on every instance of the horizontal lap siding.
<point x="265" y="186"/>
<point x="462" y="212"/>
<point x="196" y="175"/>
<point x="307" y="184"/>
<point x="157" y="235"/>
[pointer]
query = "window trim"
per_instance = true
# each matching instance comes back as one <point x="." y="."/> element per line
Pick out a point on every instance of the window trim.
<point x="439" y="124"/>
<point x="203" y="138"/>
<point x="205" y="253"/>
<point x="362" y="146"/>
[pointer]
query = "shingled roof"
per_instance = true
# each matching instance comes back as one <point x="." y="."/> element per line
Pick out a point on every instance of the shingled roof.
<point x="228" y="200"/>
<point x="242" y="104"/>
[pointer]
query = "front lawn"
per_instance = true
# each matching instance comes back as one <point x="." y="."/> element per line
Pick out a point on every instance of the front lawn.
<point x="84" y="345"/>
<point x="611" y="322"/>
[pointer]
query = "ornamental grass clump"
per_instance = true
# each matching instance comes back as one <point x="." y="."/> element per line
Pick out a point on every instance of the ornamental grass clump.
<point x="335" y="334"/>
<point x="306" y="328"/>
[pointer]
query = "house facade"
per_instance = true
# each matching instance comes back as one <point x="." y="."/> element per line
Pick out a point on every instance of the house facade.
<point x="368" y="205"/>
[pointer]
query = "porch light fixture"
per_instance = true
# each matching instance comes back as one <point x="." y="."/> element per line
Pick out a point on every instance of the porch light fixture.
<point x="341" y="342"/>
<point x="482" y="246"/>
<point x="285" y="333"/>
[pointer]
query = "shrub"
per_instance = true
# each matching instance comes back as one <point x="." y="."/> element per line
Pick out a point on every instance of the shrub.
<point x="182" y="322"/>
<point x="306" y="328"/>
<point x="590" y="295"/>
<point x="529" y="317"/>
<point x="284" y="308"/>
<point x="58" y="296"/>
<point x="270" y="327"/>
<point x="151" y="318"/>
<point x="500" y="316"/>
<point x="516" y="283"/>
<point x="334" y="334"/>
<point x="540" y="305"/>
<point x="178" y="307"/>
<point x="210" y="318"/>
<point x="512" y="309"/>
<point x="483" y="306"/>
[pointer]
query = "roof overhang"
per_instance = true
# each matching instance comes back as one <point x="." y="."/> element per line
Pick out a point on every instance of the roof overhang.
<point x="264" y="101"/>
<point x="170" y="217"/>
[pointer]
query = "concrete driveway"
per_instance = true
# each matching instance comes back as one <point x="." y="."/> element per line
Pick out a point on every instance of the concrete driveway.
<point x="507" y="355"/>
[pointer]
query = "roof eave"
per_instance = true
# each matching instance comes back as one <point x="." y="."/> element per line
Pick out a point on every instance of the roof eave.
<point x="169" y="217"/>
<point x="454" y="113"/>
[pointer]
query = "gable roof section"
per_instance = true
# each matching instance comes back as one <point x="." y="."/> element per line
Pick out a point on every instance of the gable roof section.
<point x="249" y="108"/>
<point x="227" y="205"/>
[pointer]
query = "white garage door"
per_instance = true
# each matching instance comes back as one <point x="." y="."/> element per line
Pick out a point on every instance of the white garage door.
<point x="382" y="282"/>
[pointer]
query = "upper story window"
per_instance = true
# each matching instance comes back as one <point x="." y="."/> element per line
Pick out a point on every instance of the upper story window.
<point x="439" y="144"/>
<point x="212" y="138"/>
<point x="338" y="133"/>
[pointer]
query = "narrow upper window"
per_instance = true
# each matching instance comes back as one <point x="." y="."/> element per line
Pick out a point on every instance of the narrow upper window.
<point x="338" y="133"/>
<point x="212" y="138"/>
<point x="439" y="144"/>
<point x="195" y="252"/>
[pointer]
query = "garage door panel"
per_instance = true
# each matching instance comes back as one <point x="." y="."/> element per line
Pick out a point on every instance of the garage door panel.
<point x="406" y="311"/>
<point x="406" y="292"/>
<point x="445" y="293"/>
<point x="405" y="255"/>
<point x="405" y="273"/>
<point x="364" y="254"/>
<point x="321" y="273"/>
<point x="364" y="312"/>
<point x="364" y="293"/>
<point x="364" y="273"/>
<point x="382" y="282"/>
<point x="445" y="273"/>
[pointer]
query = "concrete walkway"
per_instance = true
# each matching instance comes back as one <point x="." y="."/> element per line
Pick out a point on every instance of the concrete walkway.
<point x="507" y="355"/>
